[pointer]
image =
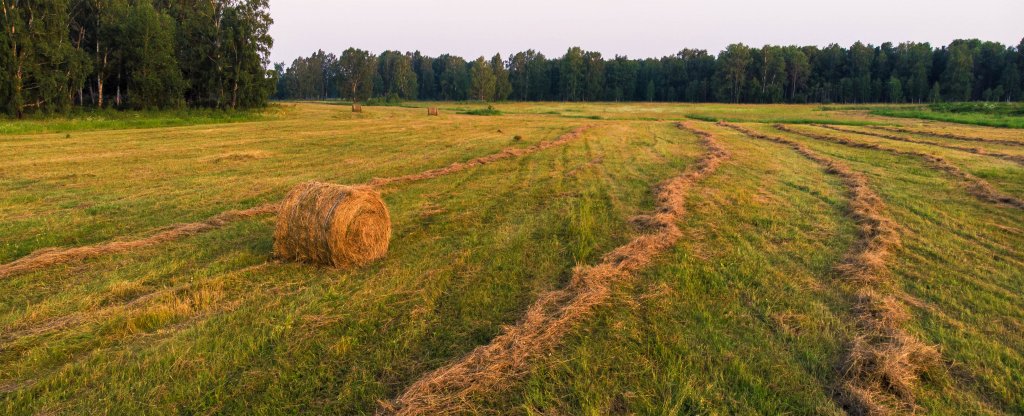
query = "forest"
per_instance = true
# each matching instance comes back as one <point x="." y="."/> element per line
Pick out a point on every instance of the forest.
<point x="965" y="70"/>
<point x="133" y="54"/>
<point x="59" y="55"/>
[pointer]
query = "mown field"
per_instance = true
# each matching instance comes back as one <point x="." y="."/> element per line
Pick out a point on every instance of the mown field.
<point x="829" y="261"/>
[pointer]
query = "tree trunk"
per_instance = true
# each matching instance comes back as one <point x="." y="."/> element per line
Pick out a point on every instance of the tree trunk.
<point x="19" y="107"/>
<point x="234" y="93"/>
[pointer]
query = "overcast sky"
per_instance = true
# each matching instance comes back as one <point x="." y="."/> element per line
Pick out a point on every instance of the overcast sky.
<point x="637" y="28"/>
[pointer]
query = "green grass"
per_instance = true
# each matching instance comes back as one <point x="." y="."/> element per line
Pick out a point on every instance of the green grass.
<point x="489" y="111"/>
<point x="746" y="315"/>
<point x="969" y="311"/>
<point x="90" y="120"/>
<point x="714" y="119"/>
<point x="980" y="114"/>
<point x="994" y="108"/>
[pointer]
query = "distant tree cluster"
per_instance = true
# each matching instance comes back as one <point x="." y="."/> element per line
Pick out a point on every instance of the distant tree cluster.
<point x="965" y="70"/>
<point x="138" y="54"/>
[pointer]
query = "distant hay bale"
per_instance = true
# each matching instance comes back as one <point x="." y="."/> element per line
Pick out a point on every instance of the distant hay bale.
<point x="431" y="111"/>
<point x="356" y="108"/>
<point x="333" y="225"/>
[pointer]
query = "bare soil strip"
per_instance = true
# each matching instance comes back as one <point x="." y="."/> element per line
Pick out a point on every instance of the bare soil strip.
<point x="508" y="356"/>
<point x="884" y="361"/>
<point x="51" y="256"/>
<point x="975" y="185"/>
<point x="1018" y="159"/>
<point x="949" y="136"/>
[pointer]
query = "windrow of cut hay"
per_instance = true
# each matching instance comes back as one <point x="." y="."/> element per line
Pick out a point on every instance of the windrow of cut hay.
<point x="507" y="153"/>
<point x="52" y="256"/>
<point x="509" y="355"/>
<point x="949" y="135"/>
<point x="1019" y="159"/>
<point x="975" y="185"/>
<point x="884" y="361"/>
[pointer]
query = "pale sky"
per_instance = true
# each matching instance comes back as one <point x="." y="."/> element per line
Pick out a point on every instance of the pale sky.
<point x="637" y="28"/>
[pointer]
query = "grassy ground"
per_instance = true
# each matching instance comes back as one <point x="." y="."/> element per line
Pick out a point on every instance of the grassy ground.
<point x="744" y="316"/>
<point x="87" y="119"/>
<point x="1006" y="115"/>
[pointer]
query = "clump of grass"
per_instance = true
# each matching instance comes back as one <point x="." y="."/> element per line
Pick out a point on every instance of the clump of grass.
<point x="489" y="111"/>
<point x="517" y="138"/>
<point x="389" y="101"/>
<point x="1006" y="109"/>
<point x="702" y="117"/>
<point x="845" y="107"/>
<point x="110" y="119"/>
<point x="1003" y="115"/>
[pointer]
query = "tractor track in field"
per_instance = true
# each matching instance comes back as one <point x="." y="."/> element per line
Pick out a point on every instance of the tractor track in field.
<point x="975" y="185"/>
<point x="949" y="136"/>
<point x="554" y="314"/>
<point x="52" y="256"/>
<point x="1018" y="159"/>
<point x="883" y="362"/>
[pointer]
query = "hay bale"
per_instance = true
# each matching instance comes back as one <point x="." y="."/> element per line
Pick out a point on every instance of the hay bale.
<point x="333" y="225"/>
<point x="356" y="108"/>
<point x="431" y="111"/>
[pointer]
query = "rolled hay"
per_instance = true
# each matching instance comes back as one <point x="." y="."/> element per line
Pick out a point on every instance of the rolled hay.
<point x="332" y="225"/>
<point x="356" y="108"/>
<point x="431" y="111"/>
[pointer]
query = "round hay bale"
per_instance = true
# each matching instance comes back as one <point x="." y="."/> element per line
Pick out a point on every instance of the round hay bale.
<point x="333" y="225"/>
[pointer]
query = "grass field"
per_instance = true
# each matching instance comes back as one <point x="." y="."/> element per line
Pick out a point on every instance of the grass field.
<point x="1007" y="115"/>
<point x="753" y="310"/>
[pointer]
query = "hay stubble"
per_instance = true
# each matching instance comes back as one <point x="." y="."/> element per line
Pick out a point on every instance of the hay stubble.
<point x="555" y="313"/>
<point x="1018" y="159"/>
<point x="47" y="257"/>
<point x="975" y="185"/>
<point x="884" y="361"/>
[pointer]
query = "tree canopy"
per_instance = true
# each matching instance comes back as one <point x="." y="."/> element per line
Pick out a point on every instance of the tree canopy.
<point x="134" y="54"/>
<point x="861" y="73"/>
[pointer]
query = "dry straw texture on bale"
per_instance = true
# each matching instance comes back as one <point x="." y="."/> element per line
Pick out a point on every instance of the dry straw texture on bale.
<point x="50" y="256"/>
<point x="431" y="111"/>
<point x="884" y="361"/>
<point x="448" y="390"/>
<point x="333" y="225"/>
<point x="975" y="185"/>
<point x="356" y="108"/>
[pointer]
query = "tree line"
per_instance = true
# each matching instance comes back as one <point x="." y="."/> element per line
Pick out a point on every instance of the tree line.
<point x="133" y="54"/>
<point x="965" y="70"/>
